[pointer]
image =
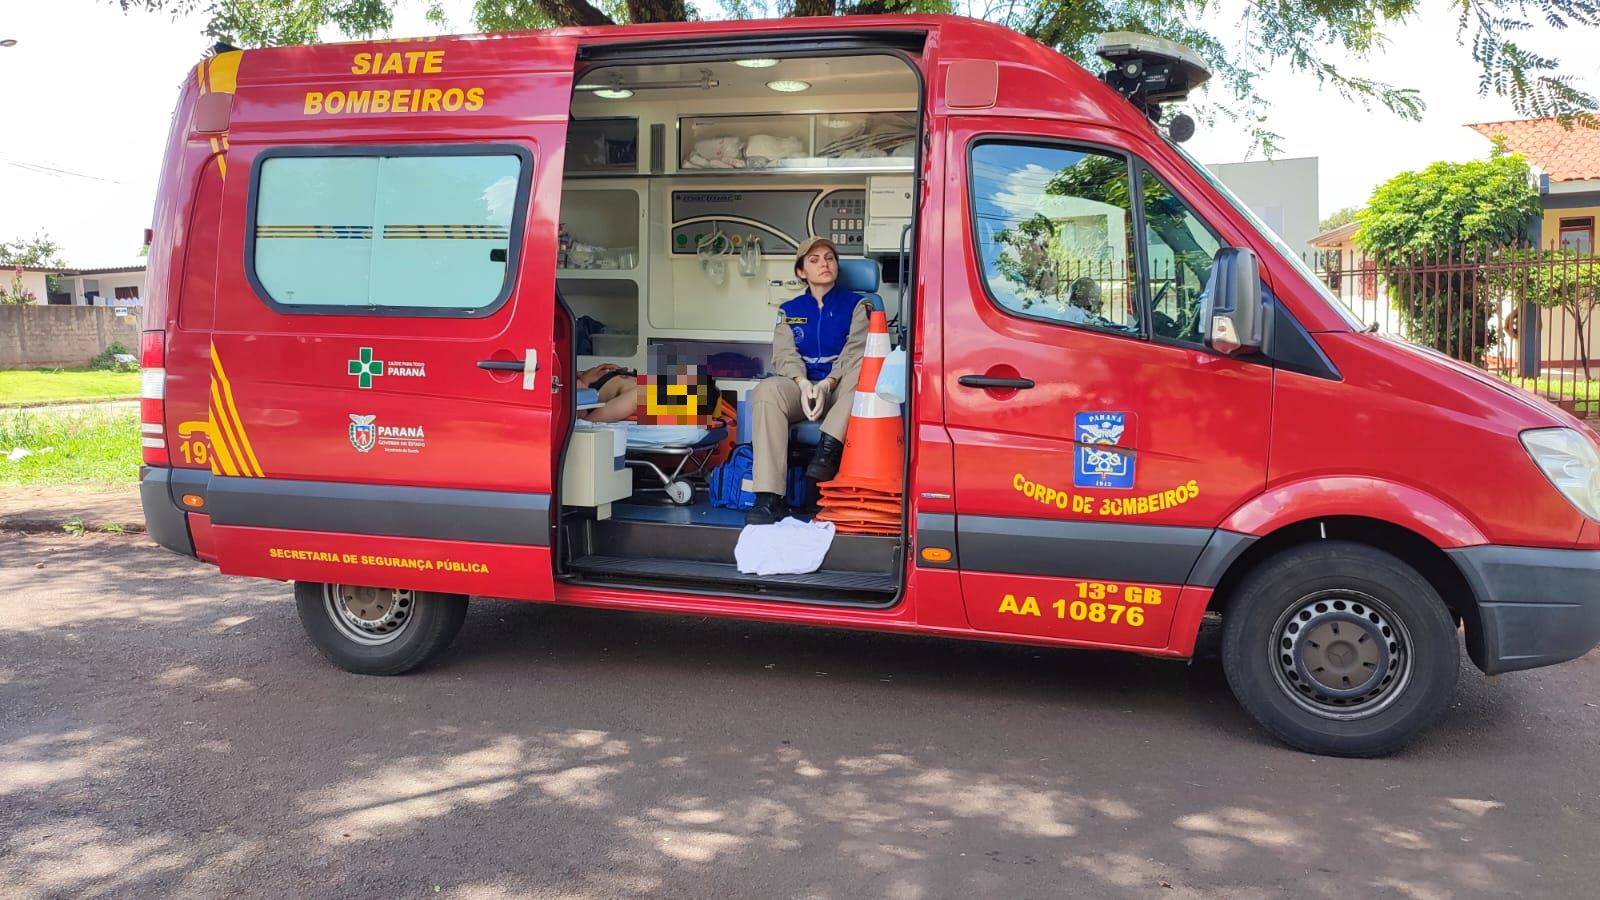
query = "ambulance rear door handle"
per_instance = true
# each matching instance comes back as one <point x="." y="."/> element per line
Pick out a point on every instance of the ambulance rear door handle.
<point x="988" y="381"/>
<point x="529" y="367"/>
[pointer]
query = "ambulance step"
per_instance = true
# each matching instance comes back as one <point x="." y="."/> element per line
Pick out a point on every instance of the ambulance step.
<point x="692" y="570"/>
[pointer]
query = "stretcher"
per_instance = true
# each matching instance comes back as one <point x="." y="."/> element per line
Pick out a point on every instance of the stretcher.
<point x="692" y="446"/>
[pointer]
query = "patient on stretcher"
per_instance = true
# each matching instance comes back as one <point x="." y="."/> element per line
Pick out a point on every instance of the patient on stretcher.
<point x="618" y="389"/>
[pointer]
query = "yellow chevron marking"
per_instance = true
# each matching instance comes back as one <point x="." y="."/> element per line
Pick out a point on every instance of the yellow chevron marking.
<point x="227" y="425"/>
<point x="237" y="423"/>
<point x="228" y="444"/>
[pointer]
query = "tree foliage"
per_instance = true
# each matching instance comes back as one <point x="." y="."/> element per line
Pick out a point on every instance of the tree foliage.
<point x="38" y="250"/>
<point x="1500" y="35"/>
<point x="1339" y="218"/>
<point x="1555" y="278"/>
<point x="1427" y="232"/>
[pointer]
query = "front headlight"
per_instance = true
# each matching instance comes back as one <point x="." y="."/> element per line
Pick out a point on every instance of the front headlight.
<point x="1571" y="463"/>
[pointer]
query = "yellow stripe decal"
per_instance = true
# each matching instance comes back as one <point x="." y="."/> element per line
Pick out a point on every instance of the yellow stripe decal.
<point x="225" y="437"/>
<point x="234" y="420"/>
<point x="225" y="71"/>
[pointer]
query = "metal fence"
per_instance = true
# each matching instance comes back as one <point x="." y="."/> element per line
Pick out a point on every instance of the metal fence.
<point x="1521" y="313"/>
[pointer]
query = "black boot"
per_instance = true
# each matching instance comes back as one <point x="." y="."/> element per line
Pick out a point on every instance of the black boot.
<point x="769" y="508"/>
<point x="825" y="462"/>
<point x="813" y="498"/>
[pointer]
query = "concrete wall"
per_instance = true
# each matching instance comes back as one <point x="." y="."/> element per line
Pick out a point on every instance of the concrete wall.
<point x="1282" y="192"/>
<point x="41" y="336"/>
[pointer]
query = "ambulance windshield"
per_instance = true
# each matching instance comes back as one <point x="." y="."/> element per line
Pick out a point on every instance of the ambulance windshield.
<point x="1283" y="249"/>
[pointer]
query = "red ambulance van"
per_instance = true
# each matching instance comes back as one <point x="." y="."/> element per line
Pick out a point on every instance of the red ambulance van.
<point x="377" y="269"/>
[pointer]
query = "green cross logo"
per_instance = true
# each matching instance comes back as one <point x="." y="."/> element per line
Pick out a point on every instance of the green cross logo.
<point x="365" y="367"/>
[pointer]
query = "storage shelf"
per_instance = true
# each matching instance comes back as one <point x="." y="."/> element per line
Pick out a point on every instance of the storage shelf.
<point x="602" y="274"/>
<point x="844" y="167"/>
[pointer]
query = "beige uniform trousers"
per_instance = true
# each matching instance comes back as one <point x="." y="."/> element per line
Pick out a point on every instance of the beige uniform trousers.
<point x="774" y="406"/>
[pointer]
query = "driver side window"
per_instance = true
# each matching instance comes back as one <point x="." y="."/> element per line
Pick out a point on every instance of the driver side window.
<point x="1181" y="251"/>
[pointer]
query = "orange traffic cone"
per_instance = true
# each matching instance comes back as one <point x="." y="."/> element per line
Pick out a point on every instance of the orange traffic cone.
<point x="865" y="496"/>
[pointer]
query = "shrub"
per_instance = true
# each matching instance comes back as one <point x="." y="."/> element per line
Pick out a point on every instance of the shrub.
<point x="107" y="361"/>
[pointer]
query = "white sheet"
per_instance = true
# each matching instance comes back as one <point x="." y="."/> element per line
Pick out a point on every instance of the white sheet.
<point x="790" y="547"/>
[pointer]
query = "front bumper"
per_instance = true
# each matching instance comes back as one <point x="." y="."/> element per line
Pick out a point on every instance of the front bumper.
<point x="164" y="519"/>
<point x="1536" y="607"/>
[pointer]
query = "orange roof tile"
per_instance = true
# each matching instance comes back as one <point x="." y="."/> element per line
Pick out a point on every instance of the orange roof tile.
<point x="1565" y="153"/>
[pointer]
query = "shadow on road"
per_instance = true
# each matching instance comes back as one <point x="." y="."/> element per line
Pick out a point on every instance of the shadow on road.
<point x="167" y="730"/>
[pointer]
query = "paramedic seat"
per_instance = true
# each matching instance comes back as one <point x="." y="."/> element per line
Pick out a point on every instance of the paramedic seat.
<point x="862" y="276"/>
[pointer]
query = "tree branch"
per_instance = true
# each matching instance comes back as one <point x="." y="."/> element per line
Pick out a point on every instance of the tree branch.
<point x="813" y="7"/>
<point x="642" y="11"/>
<point x="574" y="12"/>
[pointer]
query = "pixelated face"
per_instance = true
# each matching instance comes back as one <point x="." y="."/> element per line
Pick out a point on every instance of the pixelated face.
<point x="684" y="397"/>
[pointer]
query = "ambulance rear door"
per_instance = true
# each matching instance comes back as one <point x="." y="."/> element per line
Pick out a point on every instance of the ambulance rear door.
<point x="384" y="372"/>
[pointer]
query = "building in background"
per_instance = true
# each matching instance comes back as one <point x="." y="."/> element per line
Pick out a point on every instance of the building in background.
<point x="1566" y="159"/>
<point x="116" y="286"/>
<point x="1281" y="192"/>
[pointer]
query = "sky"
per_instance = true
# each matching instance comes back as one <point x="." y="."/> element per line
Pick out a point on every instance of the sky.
<point x="90" y="92"/>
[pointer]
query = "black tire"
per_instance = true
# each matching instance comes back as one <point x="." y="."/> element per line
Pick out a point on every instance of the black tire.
<point x="373" y="631"/>
<point x="1340" y="649"/>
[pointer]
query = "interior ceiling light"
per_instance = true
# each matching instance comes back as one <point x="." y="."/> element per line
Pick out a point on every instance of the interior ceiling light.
<point x="613" y="93"/>
<point x="784" y="86"/>
<point x="837" y="123"/>
<point x="756" y="63"/>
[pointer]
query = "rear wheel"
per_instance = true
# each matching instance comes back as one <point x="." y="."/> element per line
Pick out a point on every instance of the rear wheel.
<point x="1341" y="649"/>
<point x="378" y="631"/>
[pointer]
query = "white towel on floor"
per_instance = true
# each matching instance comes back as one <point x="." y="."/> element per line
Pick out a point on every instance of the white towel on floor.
<point x="790" y="547"/>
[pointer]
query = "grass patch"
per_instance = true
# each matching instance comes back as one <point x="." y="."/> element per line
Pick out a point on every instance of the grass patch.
<point x="88" y="448"/>
<point x="19" y="386"/>
<point x="1585" y="392"/>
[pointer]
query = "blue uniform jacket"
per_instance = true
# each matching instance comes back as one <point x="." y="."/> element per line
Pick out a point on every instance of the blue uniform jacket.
<point x="820" y="332"/>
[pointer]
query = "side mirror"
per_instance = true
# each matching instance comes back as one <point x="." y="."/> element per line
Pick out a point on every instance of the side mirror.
<point x="1235" y="316"/>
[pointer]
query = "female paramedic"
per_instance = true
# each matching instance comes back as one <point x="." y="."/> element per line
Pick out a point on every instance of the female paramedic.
<point x="816" y="351"/>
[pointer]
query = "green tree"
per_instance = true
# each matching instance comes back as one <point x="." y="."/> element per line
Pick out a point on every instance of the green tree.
<point x="1339" y="218"/>
<point x="1427" y="232"/>
<point x="1306" y="35"/>
<point x="38" y="250"/>
<point x="1558" y="279"/>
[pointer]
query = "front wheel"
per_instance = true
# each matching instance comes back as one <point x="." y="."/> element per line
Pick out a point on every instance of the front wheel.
<point x="378" y="631"/>
<point x="1340" y="649"/>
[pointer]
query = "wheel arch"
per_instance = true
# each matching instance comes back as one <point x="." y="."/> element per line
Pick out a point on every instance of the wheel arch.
<point x="1410" y="547"/>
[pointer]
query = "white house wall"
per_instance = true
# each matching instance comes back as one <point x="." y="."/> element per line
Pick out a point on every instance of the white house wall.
<point x="31" y="281"/>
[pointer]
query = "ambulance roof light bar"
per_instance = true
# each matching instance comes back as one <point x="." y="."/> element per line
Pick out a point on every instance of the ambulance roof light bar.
<point x="1148" y="70"/>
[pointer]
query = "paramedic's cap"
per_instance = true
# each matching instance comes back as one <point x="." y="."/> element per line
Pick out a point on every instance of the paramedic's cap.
<point x="808" y="245"/>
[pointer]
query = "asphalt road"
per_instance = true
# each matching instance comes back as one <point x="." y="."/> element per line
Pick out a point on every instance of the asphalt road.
<point x="165" y="731"/>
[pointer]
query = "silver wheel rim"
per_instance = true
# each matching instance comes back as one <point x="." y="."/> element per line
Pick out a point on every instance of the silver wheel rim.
<point x="368" y="616"/>
<point x="1341" y="654"/>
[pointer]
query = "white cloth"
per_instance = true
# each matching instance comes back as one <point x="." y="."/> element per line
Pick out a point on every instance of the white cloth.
<point x="790" y="547"/>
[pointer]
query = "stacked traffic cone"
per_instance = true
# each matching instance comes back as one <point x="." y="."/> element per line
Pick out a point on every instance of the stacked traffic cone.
<point x="865" y="497"/>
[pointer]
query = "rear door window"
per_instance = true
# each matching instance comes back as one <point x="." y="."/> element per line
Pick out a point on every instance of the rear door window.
<point x="418" y="232"/>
